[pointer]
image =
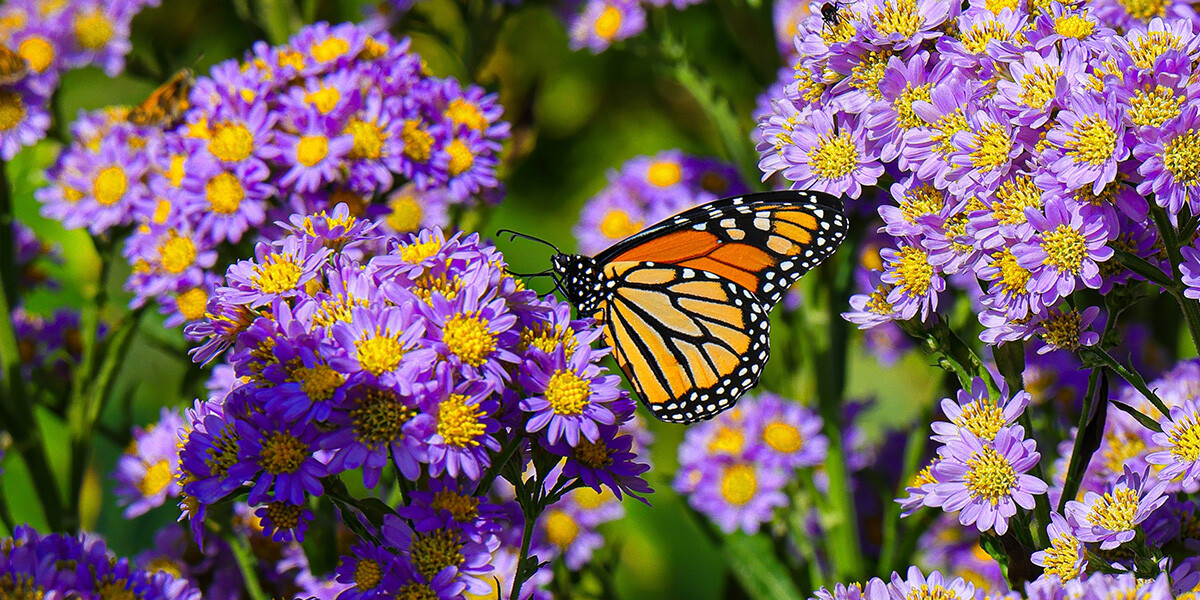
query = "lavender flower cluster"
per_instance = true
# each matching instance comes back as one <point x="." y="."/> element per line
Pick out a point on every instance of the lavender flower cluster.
<point x="417" y="360"/>
<point x="46" y="40"/>
<point x="33" y="565"/>
<point x="1021" y="143"/>
<point x="647" y="189"/>
<point x="336" y="115"/>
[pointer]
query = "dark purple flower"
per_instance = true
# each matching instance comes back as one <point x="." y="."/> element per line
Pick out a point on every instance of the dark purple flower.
<point x="278" y="456"/>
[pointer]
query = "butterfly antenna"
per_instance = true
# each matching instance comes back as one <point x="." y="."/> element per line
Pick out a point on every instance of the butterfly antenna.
<point x="538" y="274"/>
<point x="513" y="235"/>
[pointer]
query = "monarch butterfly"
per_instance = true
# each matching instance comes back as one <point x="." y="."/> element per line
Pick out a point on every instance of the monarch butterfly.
<point x="684" y="304"/>
<point x="165" y="105"/>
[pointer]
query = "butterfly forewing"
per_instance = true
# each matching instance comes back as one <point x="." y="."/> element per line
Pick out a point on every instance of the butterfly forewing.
<point x="165" y="105"/>
<point x="690" y="342"/>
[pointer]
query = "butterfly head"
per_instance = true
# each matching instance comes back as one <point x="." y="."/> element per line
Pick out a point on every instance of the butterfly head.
<point x="579" y="278"/>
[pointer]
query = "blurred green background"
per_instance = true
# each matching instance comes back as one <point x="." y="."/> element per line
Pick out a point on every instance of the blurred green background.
<point x="576" y="115"/>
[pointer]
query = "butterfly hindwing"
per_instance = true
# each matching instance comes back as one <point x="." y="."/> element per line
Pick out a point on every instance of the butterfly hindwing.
<point x="690" y="341"/>
<point x="763" y="242"/>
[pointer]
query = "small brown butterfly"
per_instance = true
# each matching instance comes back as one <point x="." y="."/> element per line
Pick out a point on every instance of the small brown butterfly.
<point x="166" y="105"/>
<point x="13" y="67"/>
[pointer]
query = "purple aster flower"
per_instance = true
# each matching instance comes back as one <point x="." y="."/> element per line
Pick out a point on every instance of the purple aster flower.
<point x="1065" y="251"/>
<point x="915" y="284"/>
<point x="1039" y="85"/>
<point x="373" y="425"/>
<point x="225" y="202"/>
<point x="1089" y="141"/>
<point x="1066" y="558"/>
<point x="1180" y="440"/>
<point x="872" y="309"/>
<point x="917" y="585"/>
<point x="1168" y="157"/>
<point x="569" y="397"/>
<point x="985" y="36"/>
<point x="1068" y="329"/>
<point x="1112" y="519"/>
<point x="915" y="199"/>
<point x="738" y="494"/>
<point x="278" y="455"/>
<point x="978" y="412"/>
<point x="449" y="503"/>
<point x="278" y="270"/>
<point x="209" y="450"/>
<point x="986" y="151"/>
<point x="375" y="154"/>
<point x="875" y="589"/>
<point x="469" y="160"/>
<point x="312" y="157"/>
<point x="457" y="427"/>
<point x="790" y="434"/>
<point x="986" y="482"/>
<point x="106" y="185"/>
<point x="1071" y="26"/>
<point x="922" y="491"/>
<point x="829" y="154"/>
<point x="26" y="119"/>
<point x="283" y="521"/>
<point x="443" y="553"/>
<point x="100" y="35"/>
<point x="239" y="133"/>
<point x="371" y="570"/>
<point x="146" y="473"/>
<point x="928" y="149"/>
<point x="952" y="248"/>
<point x="603" y="22"/>
<point x="608" y="461"/>
<point x="383" y="341"/>
<point x="907" y="23"/>
<point x="473" y="331"/>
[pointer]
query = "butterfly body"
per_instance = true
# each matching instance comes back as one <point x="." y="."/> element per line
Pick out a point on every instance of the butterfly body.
<point x="685" y="303"/>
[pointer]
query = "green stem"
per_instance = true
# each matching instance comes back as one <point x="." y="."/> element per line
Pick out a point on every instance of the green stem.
<point x="525" y="569"/>
<point x="1077" y="463"/>
<point x="914" y="453"/>
<point x="1190" y="307"/>
<point x="955" y="355"/>
<point x="506" y="453"/>
<point x="1131" y="377"/>
<point x="246" y="564"/>
<point x="1143" y="267"/>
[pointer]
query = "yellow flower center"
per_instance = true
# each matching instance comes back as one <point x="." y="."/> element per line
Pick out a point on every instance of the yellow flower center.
<point x="319" y="382"/>
<point x="664" y="173"/>
<point x="192" y="303"/>
<point x="927" y="592"/>
<point x="995" y="6"/>
<point x="418" y="143"/>
<point x="379" y="353"/>
<point x="1062" y="556"/>
<point x="982" y="418"/>
<point x="1144" y="11"/>
<point x="1092" y="140"/>
<point x="433" y="551"/>
<point x="914" y="270"/>
<point x="989" y="476"/>
<point x="1074" y="26"/>
<point x="782" y="437"/>
<point x="568" y="393"/>
<point x="561" y="529"/>
<point x="157" y="476"/>
<point x="415" y="253"/>
<point x="906" y="117"/>
<point x="1013" y="276"/>
<point x="92" y="29"/>
<point x="324" y="99"/>
<point x="110" y="185"/>
<point x="277" y="274"/>
<point x="1065" y="248"/>
<point x="406" y="213"/>
<point x="466" y="113"/>
<point x="992" y="147"/>
<point x="1013" y="197"/>
<point x="329" y="49"/>
<point x="312" y="149"/>
<point x="467" y="336"/>
<point x="1116" y="510"/>
<point x="458" y="422"/>
<point x="945" y="128"/>
<point x="739" y="483"/>
<point x="368" y="140"/>
<point x="1181" y="156"/>
<point x="727" y="440"/>
<point x="282" y="453"/>
<point x="1153" y="107"/>
<point x="38" y="52"/>
<point x="283" y="515"/>
<point x="617" y="225"/>
<point x="898" y="16"/>
<point x="594" y="455"/>
<point x="379" y="418"/>
<point x="547" y="338"/>
<point x="867" y="74"/>
<point x="464" y="509"/>
<point x="608" y="23"/>
<point x="224" y="193"/>
<point x="12" y="110"/>
<point x="976" y="39"/>
<point x="924" y="476"/>
<point x="177" y="253"/>
<point x="1119" y="448"/>
<point x="1037" y="88"/>
<point x="835" y="155"/>
<point x="367" y="574"/>
<point x="1062" y="330"/>
<point x="461" y="158"/>
<point x="590" y="499"/>
<point x="230" y="142"/>
<point x="920" y="201"/>
<point x="878" y="304"/>
<point x="1185" y="439"/>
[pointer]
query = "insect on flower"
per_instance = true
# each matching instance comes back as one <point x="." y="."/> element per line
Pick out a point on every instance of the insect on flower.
<point x="13" y="67"/>
<point x="829" y="13"/>
<point x="685" y="303"/>
<point x="165" y="105"/>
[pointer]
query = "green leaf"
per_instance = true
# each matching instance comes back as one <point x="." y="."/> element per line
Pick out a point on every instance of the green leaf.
<point x="753" y="562"/>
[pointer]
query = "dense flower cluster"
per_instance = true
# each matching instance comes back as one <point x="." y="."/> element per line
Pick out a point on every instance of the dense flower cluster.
<point x="647" y="189"/>
<point x="50" y="39"/>
<point x="418" y="359"/>
<point x="33" y="565"/>
<point x="335" y="115"/>
<point x="735" y="467"/>
<point x="1022" y="143"/>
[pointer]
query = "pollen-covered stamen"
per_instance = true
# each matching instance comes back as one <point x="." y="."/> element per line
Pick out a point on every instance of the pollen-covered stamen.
<point x="1062" y="329"/>
<point x="467" y="336"/>
<point x="176" y="253"/>
<point x="1038" y="86"/>
<point x="379" y="418"/>
<point x="866" y="75"/>
<point x="901" y="17"/>
<point x="1065" y="248"/>
<point x="1151" y="107"/>
<point x="913" y="270"/>
<point x="464" y="509"/>
<point x="368" y="573"/>
<point x="278" y="273"/>
<point x="739" y="483"/>
<point x="110" y="185"/>
<point x="157" y="477"/>
<point x="368" y="140"/>
<point x="1062" y="557"/>
<point x="1120" y="447"/>
<point x="930" y="592"/>
<point x="1116" y="510"/>
<point x="1013" y="277"/>
<point x="976" y="39"/>
<point x="906" y="117"/>
<point x="989" y="475"/>
<point x="379" y="353"/>
<point x="435" y="550"/>
<point x="920" y="201"/>
<point x="834" y="156"/>
<point x="547" y="338"/>
<point x="877" y="301"/>
<point x="593" y="455"/>
<point x="992" y="144"/>
<point x="944" y="129"/>
<point x="982" y="418"/>
<point x="418" y="143"/>
<point x="284" y="515"/>
<point x="782" y="437"/>
<point x="282" y="453"/>
<point x="1185" y="438"/>
<point x="1152" y="44"/>
<point x="458" y="422"/>
<point x="1092" y="140"/>
<point x="568" y="393"/>
<point x="1181" y="156"/>
<point x="1074" y="26"/>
